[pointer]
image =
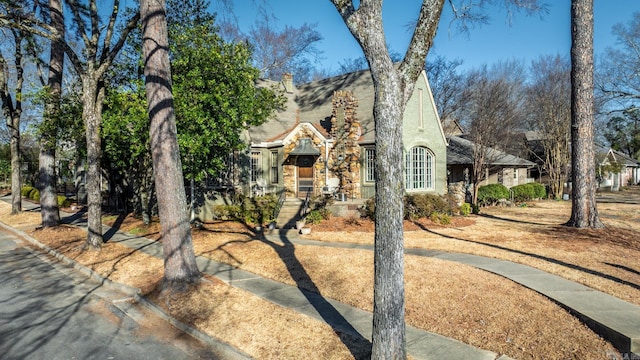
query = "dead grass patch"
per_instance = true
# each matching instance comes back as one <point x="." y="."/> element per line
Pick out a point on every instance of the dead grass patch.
<point x="259" y="328"/>
<point x="454" y="300"/>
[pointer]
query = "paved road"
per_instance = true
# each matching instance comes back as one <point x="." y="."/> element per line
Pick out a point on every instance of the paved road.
<point x="49" y="312"/>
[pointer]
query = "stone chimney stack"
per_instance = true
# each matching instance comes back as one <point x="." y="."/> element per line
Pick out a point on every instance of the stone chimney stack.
<point x="287" y="81"/>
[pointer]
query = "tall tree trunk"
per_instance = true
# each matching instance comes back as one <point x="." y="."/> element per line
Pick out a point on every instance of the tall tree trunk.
<point x="49" y="210"/>
<point x="393" y="87"/>
<point x="91" y="118"/>
<point x="13" y="113"/>
<point x="583" y="210"/>
<point x="388" y="292"/>
<point x="16" y="164"/>
<point x="180" y="266"/>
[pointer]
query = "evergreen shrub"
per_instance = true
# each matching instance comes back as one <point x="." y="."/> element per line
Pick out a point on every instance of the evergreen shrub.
<point x="490" y="194"/>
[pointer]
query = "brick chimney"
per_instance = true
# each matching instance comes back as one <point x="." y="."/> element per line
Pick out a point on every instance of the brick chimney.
<point x="287" y="81"/>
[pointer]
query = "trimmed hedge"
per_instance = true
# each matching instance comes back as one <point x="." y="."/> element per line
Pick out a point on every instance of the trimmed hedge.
<point x="26" y="190"/>
<point x="490" y="194"/>
<point x="528" y="191"/>
<point x="63" y="201"/>
<point x="34" y="195"/>
<point x="418" y="206"/>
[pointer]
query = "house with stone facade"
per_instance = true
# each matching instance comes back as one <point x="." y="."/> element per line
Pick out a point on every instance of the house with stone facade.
<point x="323" y="142"/>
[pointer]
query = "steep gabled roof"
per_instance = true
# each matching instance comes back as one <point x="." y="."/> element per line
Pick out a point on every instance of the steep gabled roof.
<point x="625" y="159"/>
<point x="315" y="100"/>
<point x="460" y="152"/>
<point x="282" y="123"/>
<point x="312" y="103"/>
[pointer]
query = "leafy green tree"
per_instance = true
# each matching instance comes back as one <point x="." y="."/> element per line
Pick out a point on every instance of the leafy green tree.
<point x="215" y="96"/>
<point x="215" y="99"/>
<point x="126" y="143"/>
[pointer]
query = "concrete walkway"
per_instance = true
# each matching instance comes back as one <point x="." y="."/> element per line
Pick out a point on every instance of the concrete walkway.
<point x="615" y="320"/>
<point x="341" y="317"/>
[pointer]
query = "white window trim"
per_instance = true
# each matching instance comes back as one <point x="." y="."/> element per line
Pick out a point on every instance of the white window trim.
<point x="419" y="179"/>
<point x="369" y="164"/>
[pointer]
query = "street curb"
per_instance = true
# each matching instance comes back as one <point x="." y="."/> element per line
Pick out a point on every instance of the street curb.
<point x="217" y="345"/>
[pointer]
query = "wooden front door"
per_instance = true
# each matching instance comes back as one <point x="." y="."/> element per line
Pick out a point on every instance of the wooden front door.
<point x="305" y="174"/>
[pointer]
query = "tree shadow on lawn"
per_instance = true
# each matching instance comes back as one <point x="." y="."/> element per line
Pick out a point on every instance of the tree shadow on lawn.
<point x="494" y="217"/>
<point x="540" y="257"/>
<point x="351" y="338"/>
<point x="358" y="345"/>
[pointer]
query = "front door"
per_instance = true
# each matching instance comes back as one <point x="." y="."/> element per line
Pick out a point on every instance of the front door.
<point x="305" y="174"/>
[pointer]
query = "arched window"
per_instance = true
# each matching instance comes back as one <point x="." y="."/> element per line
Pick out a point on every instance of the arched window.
<point x="419" y="169"/>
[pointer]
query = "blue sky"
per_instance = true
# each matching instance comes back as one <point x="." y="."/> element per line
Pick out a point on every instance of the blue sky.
<point x="525" y="38"/>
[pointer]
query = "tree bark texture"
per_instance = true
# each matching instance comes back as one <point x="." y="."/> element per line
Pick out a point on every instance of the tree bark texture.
<point x="179" y="259"/>
<point x="16" y="163"/>
<point x="13" y="114"/>
<point x="91" y="115"/>
<point x="49" y="209"/>
<point x="393" y="87"/>
<point x="584" y="212"/>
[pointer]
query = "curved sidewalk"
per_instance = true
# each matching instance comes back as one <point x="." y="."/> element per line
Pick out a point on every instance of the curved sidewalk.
<point x="615" y="320"/>
<point x="341" y="317"/>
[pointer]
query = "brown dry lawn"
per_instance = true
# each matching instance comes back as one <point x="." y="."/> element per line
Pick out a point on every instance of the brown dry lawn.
<point x="451" y="299"/>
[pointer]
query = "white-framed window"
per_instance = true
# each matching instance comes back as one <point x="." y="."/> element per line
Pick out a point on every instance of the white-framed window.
<point x="369" y="164"/>
<point x="274" y="167"/>
<point x="419" y="169"/>
<point x="255" y="165"/>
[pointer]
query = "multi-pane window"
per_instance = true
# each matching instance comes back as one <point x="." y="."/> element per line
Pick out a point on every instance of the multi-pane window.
<point x="370" y="164"/>
<point x="255" y="165"/>
<point x="419" y="169"/>
<point x="274" y="167"/>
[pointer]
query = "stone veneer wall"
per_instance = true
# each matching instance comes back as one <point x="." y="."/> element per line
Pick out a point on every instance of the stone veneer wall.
<point x="289" y="168"/>
<point x="346" y="131"/>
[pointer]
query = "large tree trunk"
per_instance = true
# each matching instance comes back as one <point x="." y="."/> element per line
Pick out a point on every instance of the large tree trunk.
<point x="49" y="210"/>
<point x="16" y="164"/>
<point x="388" y="292"/>
<point x="583" y="211"/>
<point x="13" y="113"/>
<point x="180" y="266"/>
<point x="393" y="87"/>
<point x="91" y="118"/>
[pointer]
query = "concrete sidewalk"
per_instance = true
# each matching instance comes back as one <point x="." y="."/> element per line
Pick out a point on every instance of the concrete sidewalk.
<point x="341" y="317"/>
<point x="615" y="320"/>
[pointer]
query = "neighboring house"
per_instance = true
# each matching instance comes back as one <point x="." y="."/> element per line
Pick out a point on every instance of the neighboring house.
<point x="324" y="141"/>
<point x="451" y="127"/>
<point x="502" y="168"/>
<point x="607" y="160"/>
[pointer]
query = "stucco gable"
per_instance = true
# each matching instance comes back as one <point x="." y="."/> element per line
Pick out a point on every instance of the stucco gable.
<point x="312" y="103"/>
